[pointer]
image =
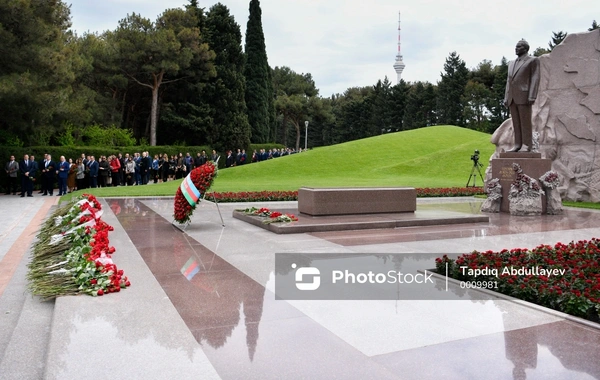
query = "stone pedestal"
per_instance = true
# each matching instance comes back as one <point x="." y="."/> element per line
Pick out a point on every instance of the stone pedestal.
<point x="532" y="164"/>
<point x="526" y="206"/>
<point x="346" y="201"/>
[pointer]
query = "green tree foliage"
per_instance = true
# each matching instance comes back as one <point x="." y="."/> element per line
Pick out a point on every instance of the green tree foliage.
<point x="499" y="113"/>
<point x="540" y="51"/>
<point x="557" y="38"/>
<point x="100" y="82"/>
<point x="35" y="68"/>
<point x="381" y="104"/>
<point x="420" y="106"/>
<point x="398" y="95"/>
<point x="95" y="135"/>
<point x="257" y="76"/>
<point x="594" y="26"/>
<point x="295" y="98"/>
<point x="353" y="114"/>
<point x="186" y="113"/>
<point x="273" y="124"/>
<point x="476" y="99"/>
<point x="225" y="93"/>
<point x="451" y="89"/>
<point x="154" y="54"/>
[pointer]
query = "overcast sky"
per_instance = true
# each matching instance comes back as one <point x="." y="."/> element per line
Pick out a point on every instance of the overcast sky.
<point x="349" y="43"/>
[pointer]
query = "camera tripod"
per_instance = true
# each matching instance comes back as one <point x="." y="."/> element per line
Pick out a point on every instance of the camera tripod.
<point x="474" y="171"/>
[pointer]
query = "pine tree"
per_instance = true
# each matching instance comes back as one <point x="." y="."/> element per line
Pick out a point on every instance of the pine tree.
<point x="557" y="38"/>
<point x="451" y="89"/>
<point x="256" y="73"/>
<point x="413" y="115"/>
<point x="166" y="51"/>
<point x="594" y="26"/>
<point x="226" y="93"/>
<point x="36" y="69"/>
<point x="398" y="95"/>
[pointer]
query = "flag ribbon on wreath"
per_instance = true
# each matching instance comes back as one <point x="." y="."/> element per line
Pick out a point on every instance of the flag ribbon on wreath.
<point x="189" y="190"/>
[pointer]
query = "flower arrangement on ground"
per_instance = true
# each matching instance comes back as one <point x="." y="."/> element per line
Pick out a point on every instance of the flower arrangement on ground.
<point x="564" y="277"/>
<point x="191" y="190"/>
<point x="73" y="255"/>
<point x="270" y="216"/>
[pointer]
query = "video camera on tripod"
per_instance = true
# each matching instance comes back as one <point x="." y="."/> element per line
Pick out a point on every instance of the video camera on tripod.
<point x="475" y="158"/>
<point x="475" y="169"/>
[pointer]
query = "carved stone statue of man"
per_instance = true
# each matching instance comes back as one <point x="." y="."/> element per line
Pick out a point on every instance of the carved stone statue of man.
<point x="521" y="91"/>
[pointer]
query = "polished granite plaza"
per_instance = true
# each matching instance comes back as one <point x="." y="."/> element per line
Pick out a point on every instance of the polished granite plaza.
<point x="220" y="281"/>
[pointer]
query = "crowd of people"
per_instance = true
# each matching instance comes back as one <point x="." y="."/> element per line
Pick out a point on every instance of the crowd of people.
<point x="241" y="158"/>
<point x="115" y="170"/>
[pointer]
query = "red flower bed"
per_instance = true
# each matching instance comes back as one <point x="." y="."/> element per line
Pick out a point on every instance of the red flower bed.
<point x="565" y="277"/>
<point x="449" y="191"/>
<point x="255" y="196"/>
<point x="261" y="196"/>
<point x="202" y="177"/>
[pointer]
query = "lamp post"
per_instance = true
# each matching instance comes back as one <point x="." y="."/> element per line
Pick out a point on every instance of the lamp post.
<point x="306" y="135"/>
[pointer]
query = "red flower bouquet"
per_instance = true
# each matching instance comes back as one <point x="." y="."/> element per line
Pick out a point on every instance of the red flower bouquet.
<point x="73" y="255"/>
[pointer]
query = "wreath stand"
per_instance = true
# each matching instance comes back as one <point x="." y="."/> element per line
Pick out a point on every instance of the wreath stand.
<point x="183" y="226"/>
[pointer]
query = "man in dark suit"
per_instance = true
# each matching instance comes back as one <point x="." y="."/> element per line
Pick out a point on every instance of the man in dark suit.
<point x="25" y="168"/>
<point x="521" y="91"/>
<point x="11" y="168"/>
<point x="94" y="167"/>
<point x="48" y="175"/>
<point x="147" y="162"/>
<point x="63" y="173"/>
<point x="144" y="168"/>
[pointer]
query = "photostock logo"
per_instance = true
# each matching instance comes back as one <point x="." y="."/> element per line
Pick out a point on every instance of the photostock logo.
<point x="307" y="271"/>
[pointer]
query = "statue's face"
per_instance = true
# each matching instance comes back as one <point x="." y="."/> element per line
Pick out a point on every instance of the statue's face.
<point x="521" y="49"/>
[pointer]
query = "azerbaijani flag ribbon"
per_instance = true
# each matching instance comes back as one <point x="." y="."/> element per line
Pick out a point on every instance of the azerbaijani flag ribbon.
<point x="189" y="190"/>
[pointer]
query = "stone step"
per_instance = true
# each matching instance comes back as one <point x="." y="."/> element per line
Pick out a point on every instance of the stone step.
<point x="24" y="329"/>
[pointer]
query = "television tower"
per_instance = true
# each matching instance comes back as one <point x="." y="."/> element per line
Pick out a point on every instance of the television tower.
<point x="399" y="65"/>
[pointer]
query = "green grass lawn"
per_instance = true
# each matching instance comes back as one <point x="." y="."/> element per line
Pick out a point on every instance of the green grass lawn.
<point x="437" y="156"/>
<point x="582" y="204"/>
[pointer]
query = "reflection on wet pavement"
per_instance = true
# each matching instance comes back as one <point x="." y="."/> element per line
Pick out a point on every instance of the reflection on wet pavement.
<point x="246" y="333"/>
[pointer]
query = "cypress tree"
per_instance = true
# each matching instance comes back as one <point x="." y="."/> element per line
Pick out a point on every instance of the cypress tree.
<point x="256" y="73"/>
<point x="226" y="92"/>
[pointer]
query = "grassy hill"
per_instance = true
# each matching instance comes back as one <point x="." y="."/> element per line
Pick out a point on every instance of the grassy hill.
<point x="437" y="156"/>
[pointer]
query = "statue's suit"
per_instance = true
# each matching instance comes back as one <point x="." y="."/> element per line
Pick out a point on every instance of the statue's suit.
<point x="521" y="91"/>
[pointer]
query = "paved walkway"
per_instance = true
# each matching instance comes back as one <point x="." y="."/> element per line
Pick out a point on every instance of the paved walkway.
<point x="224" y="321"/>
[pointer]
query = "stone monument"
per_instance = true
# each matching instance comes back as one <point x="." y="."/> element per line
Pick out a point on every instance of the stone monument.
<point x="525" y="195"/>
<point x="566" y="114"/>
<point x="494" y="196"/>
